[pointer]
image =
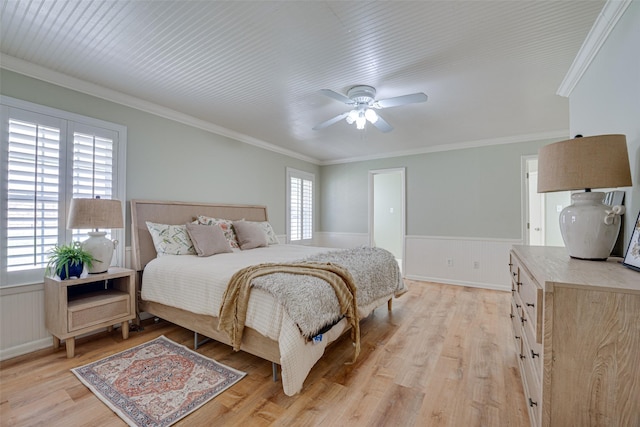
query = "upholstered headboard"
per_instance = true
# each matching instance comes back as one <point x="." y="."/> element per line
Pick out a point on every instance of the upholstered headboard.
<point x="167" y="212"/>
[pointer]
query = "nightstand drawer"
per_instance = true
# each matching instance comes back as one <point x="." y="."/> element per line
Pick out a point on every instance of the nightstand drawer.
<point x="97" y="308"/>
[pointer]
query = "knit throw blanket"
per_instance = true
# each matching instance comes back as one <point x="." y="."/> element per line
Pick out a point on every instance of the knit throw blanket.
<point x="233" y="311"/>
<point x="310" y="301"/>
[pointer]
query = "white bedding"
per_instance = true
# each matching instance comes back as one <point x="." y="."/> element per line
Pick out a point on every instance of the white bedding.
<point x="202" y="289"/>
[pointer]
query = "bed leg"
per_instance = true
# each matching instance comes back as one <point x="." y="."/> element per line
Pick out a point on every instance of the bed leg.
<point x="389" y="304"/>
<point x="197" y="343"/>
<point x="274" y="368"/>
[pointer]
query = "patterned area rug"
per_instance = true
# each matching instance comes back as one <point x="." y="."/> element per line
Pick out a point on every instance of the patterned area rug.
<point x="156" y="383"/>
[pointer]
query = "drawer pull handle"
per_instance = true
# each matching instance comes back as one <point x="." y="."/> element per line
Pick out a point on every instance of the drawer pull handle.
<point x="518" y="306"/>
<point x="530" y="305"/>
<point x="511" y="315"/>
<point x="519" y="283"/>
<point x="517" y="337"/>
<point x="532" y="403"/>
<point x="534" y="355"/>
<point x="522" y="319"/>
<point x="522" y="356"/>
<point x="514" y="274"/>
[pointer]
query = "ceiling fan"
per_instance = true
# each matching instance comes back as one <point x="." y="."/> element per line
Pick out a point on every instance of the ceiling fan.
<point x="362" y="99"/>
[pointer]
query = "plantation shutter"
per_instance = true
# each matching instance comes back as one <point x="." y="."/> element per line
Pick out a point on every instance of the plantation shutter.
<point x="300" y="206"/>
<point x="33" y="178"/>
<point x="93" y="167"/>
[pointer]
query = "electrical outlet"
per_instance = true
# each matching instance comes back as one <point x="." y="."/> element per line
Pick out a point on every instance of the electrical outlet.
<point x="449" y="262"/>
<point x="476" y="264"/>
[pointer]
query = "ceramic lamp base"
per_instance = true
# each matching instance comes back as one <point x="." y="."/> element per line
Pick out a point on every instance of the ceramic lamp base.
<point x="102" y="250"/>
<point x="586" y="233"/>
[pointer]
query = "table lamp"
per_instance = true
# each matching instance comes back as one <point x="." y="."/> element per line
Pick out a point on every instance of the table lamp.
<point x="589" y="228"/>
<point x="94" y="214"/>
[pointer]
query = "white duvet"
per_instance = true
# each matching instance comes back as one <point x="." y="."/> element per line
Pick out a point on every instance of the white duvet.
<point x="197" y="284"/>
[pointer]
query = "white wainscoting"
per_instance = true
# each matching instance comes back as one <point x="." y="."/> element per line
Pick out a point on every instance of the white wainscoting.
<point x="473" y="262"/>
<point x="22" y="327"/>
<point x="341" y="240"/>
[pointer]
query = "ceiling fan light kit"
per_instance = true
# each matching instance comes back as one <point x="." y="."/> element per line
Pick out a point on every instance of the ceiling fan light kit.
<point x="362" y="99"/>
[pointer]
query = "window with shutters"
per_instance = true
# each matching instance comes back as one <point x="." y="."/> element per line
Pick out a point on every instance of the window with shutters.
<point x="299" y="206"/>
<point x="49" y="157"/>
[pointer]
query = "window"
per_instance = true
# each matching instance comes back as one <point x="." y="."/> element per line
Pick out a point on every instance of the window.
<point x="49" y="157"/>
<point x="299" y="206"/>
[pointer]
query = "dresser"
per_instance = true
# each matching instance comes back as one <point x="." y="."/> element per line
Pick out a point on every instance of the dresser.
<point x="576" y="331"/>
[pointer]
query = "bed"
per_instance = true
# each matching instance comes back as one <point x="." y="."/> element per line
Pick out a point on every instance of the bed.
<point x="192" y="297"/>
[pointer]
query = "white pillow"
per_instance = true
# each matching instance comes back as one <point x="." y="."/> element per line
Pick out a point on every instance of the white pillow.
<point x="170" y="239"/>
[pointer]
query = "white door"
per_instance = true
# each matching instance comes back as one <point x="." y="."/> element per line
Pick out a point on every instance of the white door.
<point x="386" y="211"/>
<point x="536" y="212"/>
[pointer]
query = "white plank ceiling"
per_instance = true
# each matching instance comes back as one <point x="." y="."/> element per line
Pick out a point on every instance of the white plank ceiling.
<point x="491" y="69"/>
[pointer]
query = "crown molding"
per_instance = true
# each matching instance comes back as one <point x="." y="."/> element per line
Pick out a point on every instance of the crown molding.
<point x="556" y="134"/>
<point x="606" y="21"/>
<point x="32" y="70"/>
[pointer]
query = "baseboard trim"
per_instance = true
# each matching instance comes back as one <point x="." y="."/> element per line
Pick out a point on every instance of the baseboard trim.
<point x="29" y="347"/>
<point x="492" y="286"/>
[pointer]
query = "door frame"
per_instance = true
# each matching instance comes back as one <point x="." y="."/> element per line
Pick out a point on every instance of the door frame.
<point x="526" y="214"/>
<point x="403" y="215"/>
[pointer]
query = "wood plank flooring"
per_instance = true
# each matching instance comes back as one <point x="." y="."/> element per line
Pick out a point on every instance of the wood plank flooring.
<point x="443" y="357"/>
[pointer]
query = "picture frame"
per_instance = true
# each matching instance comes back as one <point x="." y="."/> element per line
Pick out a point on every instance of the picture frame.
<point x="632" y="257"/>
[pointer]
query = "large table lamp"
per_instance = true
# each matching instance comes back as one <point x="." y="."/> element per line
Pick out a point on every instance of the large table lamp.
<point x="95" y="214"/>
<point x="589" y="228"/>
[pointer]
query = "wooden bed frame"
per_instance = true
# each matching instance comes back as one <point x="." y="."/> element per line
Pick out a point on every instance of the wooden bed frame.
<point x="143" y="251"/>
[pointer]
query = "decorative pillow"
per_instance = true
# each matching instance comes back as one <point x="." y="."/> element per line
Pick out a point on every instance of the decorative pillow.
<point x="225" y="225"/>
<point x="170" y="239"/>
<point x="208" y="240"/>
<point x="250" y="235"/>
<point x="272" y="239"/>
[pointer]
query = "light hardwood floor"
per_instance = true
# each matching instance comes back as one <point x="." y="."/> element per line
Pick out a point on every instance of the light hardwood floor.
<point x="443" y="357"/>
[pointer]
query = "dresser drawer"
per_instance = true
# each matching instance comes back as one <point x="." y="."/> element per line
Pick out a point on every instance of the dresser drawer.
<point x="532" y="296"/>
<point x="532" y="386"/>
<point x="513" y="269"/>
<point x="532" y="349"/>
<point x="516" y="326"/>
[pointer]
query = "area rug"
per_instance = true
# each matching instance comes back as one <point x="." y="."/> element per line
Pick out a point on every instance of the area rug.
<point x="156" y="383"/>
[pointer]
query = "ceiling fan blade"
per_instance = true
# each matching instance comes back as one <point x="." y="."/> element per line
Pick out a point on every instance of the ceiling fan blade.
<point x="382" y="125"/>
<point x="331" y="121"/>
<point x="401" y="100"/>
<point x="337" y="96"/>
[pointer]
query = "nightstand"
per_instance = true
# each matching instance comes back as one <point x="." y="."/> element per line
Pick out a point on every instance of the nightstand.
<point x="76" y="306"/>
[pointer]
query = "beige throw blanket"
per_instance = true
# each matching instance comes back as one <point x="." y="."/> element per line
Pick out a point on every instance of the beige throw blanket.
<point x="233" y="311"/>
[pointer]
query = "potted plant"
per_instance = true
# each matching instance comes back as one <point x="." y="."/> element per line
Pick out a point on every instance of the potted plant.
<point x="69" y="260"/>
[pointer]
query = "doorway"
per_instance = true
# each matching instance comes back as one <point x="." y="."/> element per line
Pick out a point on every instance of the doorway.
<point x="541" y="212"/>
<point x="536" y="225"/>
<point x="387" y="211"/>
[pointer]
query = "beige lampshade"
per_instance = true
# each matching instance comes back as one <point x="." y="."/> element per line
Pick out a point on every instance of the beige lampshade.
<point x="95" y="213"/>
<point x="598" y="161"/>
